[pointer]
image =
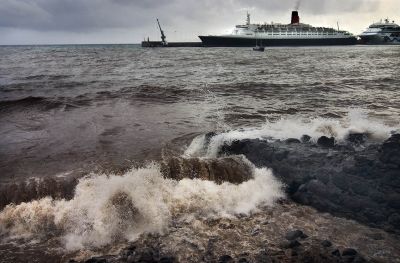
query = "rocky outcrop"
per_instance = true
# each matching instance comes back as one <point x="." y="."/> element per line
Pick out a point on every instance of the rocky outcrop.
<point x="361" y="183"/>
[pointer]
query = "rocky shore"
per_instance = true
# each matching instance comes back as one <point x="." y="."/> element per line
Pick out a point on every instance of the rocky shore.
<point x="287" y="233"/>
<point x="353" y="180"/>
<point x="358" y="179"/>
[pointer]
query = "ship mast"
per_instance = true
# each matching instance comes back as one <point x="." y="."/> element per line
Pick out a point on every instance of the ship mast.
<point x="163" y="37"/>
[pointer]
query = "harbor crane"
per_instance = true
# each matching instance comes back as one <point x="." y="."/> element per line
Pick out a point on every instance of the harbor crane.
<point x="163" y="37"/>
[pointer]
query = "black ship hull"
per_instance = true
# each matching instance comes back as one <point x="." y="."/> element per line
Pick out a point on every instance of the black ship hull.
<point x="219" y="41"/>
<point x="379" y="40"/>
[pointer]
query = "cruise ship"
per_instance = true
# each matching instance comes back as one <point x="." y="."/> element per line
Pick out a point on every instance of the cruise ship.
<point x="274" y="34"/>
<point x="385" y="32"/>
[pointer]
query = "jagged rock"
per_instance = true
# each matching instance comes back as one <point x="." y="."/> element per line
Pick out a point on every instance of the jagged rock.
<point x="290" y="244"/>
<point x="349" y="252"/>
<point x="357" y="138"/>
<point x="295" y="234"/>
<point x="336" y="253"/>
<point x="326" y="243"/>
<point x="167" y="260"/>
<point x="96" y="260"/>
<point x="351" y="255"/>
<point x="208" y="137"/>
<point x="263" y="257"/>
<point x="390" y="151"/>
<point x="360" y="184"/>
<point x="292" y="140"/>
<point x="225" y="259"/>
<point x="305" y="138"/>
<point x="326" y="142"/>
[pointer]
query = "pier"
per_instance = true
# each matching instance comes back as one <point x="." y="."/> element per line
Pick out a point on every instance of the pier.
<point x="171" y="44"/>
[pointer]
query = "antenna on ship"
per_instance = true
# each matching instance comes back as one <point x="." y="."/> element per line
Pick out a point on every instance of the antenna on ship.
<point x="163" y="37"/>
<point x="338" y="29"/>
<point x="248" y="18"/>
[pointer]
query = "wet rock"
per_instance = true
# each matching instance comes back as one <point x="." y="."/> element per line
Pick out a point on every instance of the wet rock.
<point x="96" y="260"/>
<point x="243" y="260"/>
<point x="295" y="234"/>
<point x="361" y="188"/>
<point x="376" y="236"/>
<point x="390" y="151"/>
<point x="357" y="138"/>
<point x="147" y="256"/>
<point x="336" y="253"/>
<point x="394" y="219"/>
<point x="290" y="244"/>
<point x="263" y="257"/>
<point x="360" y="184"/>
<point x="326" y="243"/>
<point x="225" y="259"/>
<point x="351" y="255"/>
<point x="341" y="181"/>
<point x="208" y="137"/>
<point x="292" y="140"/>
<point x="394" y="200"/>
<point x="305" y="138"/>
<point x="255" y="232"/>
<point x="349" y="252"/>
<point x="167" y="260"/>
<point x="326" y="142"/>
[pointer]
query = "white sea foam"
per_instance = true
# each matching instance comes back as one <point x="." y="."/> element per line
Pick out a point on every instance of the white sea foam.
<point x="109" y="208"/>
<point x="295" y="127"/>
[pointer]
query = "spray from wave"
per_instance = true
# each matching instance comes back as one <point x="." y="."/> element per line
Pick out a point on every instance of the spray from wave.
<point x="110" y="208"/>
<point x="356" y="121"/>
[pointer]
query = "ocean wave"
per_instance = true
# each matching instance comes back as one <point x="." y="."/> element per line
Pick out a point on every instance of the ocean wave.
<point x="108" y="208"/>
<point x="43" y="103"/>
<point x="356" y="121"/>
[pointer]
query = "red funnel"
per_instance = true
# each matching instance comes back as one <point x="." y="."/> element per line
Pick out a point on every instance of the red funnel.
<point x="295" y="17"/>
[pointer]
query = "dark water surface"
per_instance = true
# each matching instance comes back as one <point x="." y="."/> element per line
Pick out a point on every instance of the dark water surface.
<point x="67" y="108"/>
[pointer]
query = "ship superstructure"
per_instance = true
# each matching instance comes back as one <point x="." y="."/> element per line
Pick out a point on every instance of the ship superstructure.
<point x="383" y="32"/>
<point x="275" y="34"/>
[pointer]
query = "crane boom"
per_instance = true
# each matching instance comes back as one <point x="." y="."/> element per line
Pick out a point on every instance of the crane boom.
<point x="163" y="37"/>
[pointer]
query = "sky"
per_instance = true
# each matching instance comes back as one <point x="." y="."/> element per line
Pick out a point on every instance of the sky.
<point x="130" y="21"/>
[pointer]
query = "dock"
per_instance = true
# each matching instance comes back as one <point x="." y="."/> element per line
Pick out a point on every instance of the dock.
<point x="171" y="44"/>
<point x="164" y="43"/>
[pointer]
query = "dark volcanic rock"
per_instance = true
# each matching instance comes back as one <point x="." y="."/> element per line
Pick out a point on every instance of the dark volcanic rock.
<point x="357" y="138"/>
<point x="326" y="243"/>
<point x="349" y="252"/>
<point x="225" y="259"/>
<point x="326" y="142"/>
<point x="305" y="138"/>
<point x="292" y="140"/>
<point x="390" y="151"/>
<point x="295" y="234"/>
<point x="291" y="244"/>
<point x="96" y="260"/>
<point x="361" y="184"/>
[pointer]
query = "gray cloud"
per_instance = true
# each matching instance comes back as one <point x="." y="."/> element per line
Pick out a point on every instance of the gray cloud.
<point x="138" y="16"/>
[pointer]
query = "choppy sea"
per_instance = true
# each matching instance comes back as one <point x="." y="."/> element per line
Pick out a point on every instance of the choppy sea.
<point x="114" y="111"/>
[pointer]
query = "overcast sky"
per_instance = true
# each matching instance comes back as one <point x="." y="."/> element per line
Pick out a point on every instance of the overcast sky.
<point x="130" y="21"/>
